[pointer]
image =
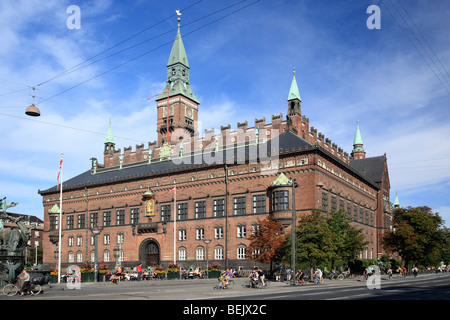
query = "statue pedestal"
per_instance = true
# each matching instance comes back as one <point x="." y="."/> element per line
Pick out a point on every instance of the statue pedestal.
<point x="11" y="264"/>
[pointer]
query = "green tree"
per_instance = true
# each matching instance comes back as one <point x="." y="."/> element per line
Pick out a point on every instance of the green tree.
<point x="315" y="244"/>
<point x="349" y="241"/>
<point x="418" y="237"/>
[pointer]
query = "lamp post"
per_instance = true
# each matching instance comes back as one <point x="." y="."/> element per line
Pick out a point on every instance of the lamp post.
<point x="95" y="231"/>
<point x="293" y="232"/>
<point x="117" y="254"/>
<point x="207" y="242"/>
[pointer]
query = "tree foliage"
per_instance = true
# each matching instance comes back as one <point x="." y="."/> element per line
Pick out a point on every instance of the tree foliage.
<point x="267" y="240"/>
<point x="324" y="238"/>
<point x="419" y="236"/>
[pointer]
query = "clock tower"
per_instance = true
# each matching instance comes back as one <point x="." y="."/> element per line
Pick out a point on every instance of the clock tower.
<point x="177" y="102"/>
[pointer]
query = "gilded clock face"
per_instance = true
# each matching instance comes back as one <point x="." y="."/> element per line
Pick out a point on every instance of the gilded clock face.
<point x="189" y="112"/>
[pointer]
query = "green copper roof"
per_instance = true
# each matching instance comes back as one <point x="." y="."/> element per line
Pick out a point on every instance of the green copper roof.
<point x="282" y="180"/>
<point x="178" y="53"/>
<point x="358" y="139"/>
<point x="109" y="135"/>
<point x="54" y="209"/>
<point x="293" y="91"/>
<point x="178" y="81"/>
<point x="396" y="202"/>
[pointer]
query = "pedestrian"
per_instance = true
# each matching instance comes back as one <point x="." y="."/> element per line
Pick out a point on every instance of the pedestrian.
<point x="139" y="272"/>
<point x="26" y="283"/>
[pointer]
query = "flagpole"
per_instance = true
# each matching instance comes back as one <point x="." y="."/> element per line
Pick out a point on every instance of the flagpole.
<point x="60" y="221"/>
<point x="175" y="226"/>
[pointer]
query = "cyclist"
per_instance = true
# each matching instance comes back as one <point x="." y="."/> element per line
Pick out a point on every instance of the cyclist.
<point x="225" y="277"/>
<point x="261" y="276"/>
<point x="299" y="276"/>
<point x="318" y="275"/>
<point x="253" y="278"/>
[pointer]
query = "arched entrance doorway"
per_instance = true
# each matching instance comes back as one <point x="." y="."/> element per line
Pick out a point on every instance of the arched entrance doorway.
<point x="149" y="253"/>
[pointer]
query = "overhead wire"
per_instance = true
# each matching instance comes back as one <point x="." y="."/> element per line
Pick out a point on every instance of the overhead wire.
<point x="158" y="47"/>
<point x="126" y="62"/>
<point x="412" y="42"/>
<point x="76" y="67"/>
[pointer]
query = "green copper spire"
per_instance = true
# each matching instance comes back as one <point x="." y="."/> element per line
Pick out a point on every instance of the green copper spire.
<point x="178" y="72"/>
<point x="109" y="135"/>
<point x="396" y="202"/>
<point x="178" y="53"/>
<point x="293" y="91"/>
<point x="358" y="150"/>
<point x="358" y="140"/>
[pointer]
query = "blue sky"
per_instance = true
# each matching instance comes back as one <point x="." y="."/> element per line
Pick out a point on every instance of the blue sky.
<point x="241" y="69"/>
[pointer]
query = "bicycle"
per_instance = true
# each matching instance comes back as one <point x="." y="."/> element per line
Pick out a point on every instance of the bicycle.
<point x="11" y="289"/>
<point x="228" y="285"/>
<point x="35" y="286"/>
<point x="317" y="280"/>
<point x="263" y="286"/>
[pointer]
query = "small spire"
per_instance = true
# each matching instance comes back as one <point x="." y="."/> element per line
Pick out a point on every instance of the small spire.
<point x="396" y="202"/>
<point x="358" y="139"/>
<point x="294" y="93"/>
<point x="358" y="150"/>
<point x="109" y="135"/>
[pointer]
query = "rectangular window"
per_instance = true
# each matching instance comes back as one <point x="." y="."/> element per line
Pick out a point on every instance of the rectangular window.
<point x="54" y="222"/>
<point x="120" y="238"/>
<point x="70" y="222"/>
<point x="259" y="203"/>
<point x="200" y="210"/>
<point x="239" y="206"/>
<point x="349" y="210"/>
<point x="165" y="212"/>
<point x="120" y="217"/>
<point x="107" y="218"/>
<point x="218" y="232"/>
<point x="280" y="200"/>
<point x="182" y="211"/>
<point x="218" y="253"/>
<point x="219" y="207"/>
<point x="200" y="253"/>
<point x="200" y="234"/>
<point x="106" y="239"/>
<point x="333" y="203"/>
<point x="93" y="219"/>
<point x="182" y="235"/>
<point x="182" y="254"/>
<point x="241" y="252"/>
<point x="81" y="221"/>
<point x="134" y="216"/>
<point x="325" y="201"/>
<point x="241" y="231"/>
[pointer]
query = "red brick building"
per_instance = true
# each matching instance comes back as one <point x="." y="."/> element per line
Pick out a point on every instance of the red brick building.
<point x="226" y="182"/>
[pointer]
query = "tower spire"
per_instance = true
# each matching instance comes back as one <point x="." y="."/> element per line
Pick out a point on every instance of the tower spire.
<point x="358" y="150"/>
<point x="294" y="93"/>
<point x="110" y="143"/>
<point x="294" y="100"/>
<point x="177" y="104"/>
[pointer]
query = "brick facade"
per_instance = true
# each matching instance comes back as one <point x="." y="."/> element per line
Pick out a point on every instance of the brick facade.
<point x="111" y="194"/>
